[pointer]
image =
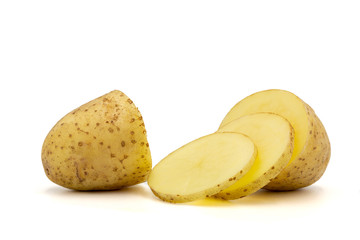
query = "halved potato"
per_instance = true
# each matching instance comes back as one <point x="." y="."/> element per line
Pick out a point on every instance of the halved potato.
<point x="273" y="137"/>
<point x="101" y="145"/>
<point x="311" y="152"/>
<point x="202" y="167"/>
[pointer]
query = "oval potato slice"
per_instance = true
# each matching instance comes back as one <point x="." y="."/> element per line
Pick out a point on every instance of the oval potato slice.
<point x="311" y="152"/>
<point x="273" y="137"/>
<point x="202" y="167"/>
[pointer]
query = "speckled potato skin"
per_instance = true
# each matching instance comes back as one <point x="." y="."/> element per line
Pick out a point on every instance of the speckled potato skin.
<point x="311" y="163"/>
<point x="101" y="145"/>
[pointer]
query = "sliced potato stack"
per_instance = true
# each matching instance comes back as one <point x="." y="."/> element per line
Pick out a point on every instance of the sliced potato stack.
<point x="311" y="144"/>
<point x="202" y="167"/>
<point x="273" y="136"/>
<point x="291" y="151"/>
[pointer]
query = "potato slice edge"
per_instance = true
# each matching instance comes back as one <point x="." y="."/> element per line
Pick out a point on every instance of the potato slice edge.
<point x="273" y="136"/>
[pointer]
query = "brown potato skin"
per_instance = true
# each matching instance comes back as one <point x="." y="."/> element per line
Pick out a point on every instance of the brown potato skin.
<point x="311" y="163"/>
<point x="101" y="145"/>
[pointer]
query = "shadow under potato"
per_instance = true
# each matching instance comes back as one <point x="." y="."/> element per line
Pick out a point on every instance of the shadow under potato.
<point x="264" y="197"/>
<point x="127" y="191"/>
<point x="261" y="197"/>
<point x="295" y="196"/>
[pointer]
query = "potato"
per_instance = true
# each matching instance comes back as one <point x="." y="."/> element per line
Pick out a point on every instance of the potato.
<point x="311" y="152"/>
<point x="273" y="137"/>
<point x="101" y="145"/>
<point x="202" y="167"/>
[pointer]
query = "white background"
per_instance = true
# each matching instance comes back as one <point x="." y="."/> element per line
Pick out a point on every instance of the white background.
<point x="184" y="64"/>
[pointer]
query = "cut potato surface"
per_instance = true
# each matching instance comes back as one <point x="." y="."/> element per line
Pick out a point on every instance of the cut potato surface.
<point x="202" y="167"/>
<point x="311" y="152"/>
<point x="273" y="137"/>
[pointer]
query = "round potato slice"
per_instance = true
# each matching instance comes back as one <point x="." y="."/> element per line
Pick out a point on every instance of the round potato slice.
<point x="202" y="167"/>
<point x="273" y="137"/>
<point x="311" y="152"/>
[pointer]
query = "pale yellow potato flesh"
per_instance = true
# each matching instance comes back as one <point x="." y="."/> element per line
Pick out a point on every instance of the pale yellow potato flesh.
<point x="101" y="145"/>
<point x="273" y="137"/>
<point x="311" y="151"/>
<point x="202" y="167"/>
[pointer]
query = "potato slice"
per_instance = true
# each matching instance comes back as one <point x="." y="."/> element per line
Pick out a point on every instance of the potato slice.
<point x="311" y="152"/>
<point x="273" y="137"/>
<point x="202" y="167"/>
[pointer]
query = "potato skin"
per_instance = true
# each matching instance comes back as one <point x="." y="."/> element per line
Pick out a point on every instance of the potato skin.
<point x="311" y="163"/>
<point x="101" y="145"/>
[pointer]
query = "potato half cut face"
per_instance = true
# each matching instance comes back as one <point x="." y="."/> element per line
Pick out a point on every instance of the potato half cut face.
<point x="202" y="167"/>
<point x="273" y="137"/>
